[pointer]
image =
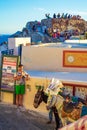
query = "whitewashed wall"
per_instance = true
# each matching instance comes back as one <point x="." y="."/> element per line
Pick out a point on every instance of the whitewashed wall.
<point x="13" y="43"/>
<point x="46" y="59"/>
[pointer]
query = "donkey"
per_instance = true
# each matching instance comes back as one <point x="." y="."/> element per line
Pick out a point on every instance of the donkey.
<point x="40" y="97"/>
<point x="55" y="99"/>
<point x="68" y="111"/>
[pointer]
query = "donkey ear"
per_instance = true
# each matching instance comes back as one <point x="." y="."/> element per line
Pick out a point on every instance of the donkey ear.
<point x="42" y="89"/>
<point x="39" y="89"/>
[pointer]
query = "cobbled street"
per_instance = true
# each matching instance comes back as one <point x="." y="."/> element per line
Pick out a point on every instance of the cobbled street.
<point x="12" y="118"/>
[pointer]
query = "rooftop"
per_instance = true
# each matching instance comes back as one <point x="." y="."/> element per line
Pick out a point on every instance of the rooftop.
<point x="66" y="44"/>
<point x="65" y="76"/>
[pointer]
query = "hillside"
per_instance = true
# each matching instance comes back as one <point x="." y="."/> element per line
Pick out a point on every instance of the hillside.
<point x="52" y="29"/>
<point x="4" y="38"/>
<point x="58" y="28"/>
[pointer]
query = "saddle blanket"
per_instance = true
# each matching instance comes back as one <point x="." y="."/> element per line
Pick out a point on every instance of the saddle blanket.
<point x="80" y="124"/>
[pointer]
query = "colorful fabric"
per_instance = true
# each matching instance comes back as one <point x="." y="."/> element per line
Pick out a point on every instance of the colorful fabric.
<point x="80" y="124"/>
<point x="84" y="111"/>
<point x="54" y="83"/>
<point x="54" y="87"/>
<point x="75" y="99"/>
<point x="51" y="100"/>
<point x="20" y="89"/>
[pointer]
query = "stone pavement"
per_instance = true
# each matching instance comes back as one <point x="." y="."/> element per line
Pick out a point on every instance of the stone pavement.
<point x="13" y="118"/>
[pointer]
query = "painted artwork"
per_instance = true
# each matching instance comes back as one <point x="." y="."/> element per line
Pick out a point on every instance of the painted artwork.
<point x="68" y="90"/>
<point x="9" y="67"/>
<point x="75" y="59"/>
<point x="81" y="92"/>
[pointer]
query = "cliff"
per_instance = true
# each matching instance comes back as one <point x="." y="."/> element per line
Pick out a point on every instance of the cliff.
<point x="44" y="31"/>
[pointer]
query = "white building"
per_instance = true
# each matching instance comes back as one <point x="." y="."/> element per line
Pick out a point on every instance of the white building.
<point x="14" y="43"/>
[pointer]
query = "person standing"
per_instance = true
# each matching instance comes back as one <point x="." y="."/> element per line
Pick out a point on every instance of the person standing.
<point x="20" y="79"/>
<point x="50" y="116"/>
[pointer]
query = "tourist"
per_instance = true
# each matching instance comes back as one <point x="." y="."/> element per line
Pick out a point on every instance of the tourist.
<point x="20" y="79"/>
<point x="58" y="16"/>
<point x="50" y="116"/>
<point x="54" y="15"/>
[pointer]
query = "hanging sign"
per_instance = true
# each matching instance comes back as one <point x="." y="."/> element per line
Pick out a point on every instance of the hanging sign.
<point x="8" y="69"/>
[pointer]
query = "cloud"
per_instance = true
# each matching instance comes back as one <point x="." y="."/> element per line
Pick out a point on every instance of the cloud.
<point x="40" y="9"/>
<point x="82" y="13"/>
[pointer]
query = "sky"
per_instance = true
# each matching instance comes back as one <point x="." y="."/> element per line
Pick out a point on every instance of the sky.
<point x="14" y="14"/>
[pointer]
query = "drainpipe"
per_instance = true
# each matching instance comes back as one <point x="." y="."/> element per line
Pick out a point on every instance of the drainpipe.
<point x="20" y="52"/>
